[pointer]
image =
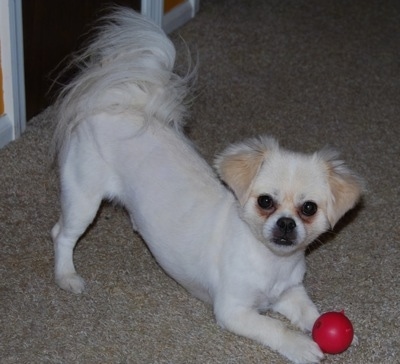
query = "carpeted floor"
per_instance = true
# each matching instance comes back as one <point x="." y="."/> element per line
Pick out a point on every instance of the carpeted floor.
<point x="308" y="72"/>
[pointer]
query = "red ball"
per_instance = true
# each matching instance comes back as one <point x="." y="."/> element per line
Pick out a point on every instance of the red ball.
<point x="333" y="332"/>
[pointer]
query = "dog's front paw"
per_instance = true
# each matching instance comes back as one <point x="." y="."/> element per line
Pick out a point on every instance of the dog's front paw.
<point x="71" y="282"/>
<point x="300" y="348"/>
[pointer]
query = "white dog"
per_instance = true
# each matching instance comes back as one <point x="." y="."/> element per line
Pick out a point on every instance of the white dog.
<point x="241" y="249"/>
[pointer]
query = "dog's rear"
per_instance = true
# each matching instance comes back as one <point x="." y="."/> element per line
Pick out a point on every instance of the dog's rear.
<point x="125" y="84"/>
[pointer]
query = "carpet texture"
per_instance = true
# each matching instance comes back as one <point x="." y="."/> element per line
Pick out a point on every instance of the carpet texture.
<point x="308" y="72"/>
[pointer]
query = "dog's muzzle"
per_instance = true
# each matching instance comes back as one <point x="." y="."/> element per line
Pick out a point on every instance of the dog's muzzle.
<point x="285" y="231"/>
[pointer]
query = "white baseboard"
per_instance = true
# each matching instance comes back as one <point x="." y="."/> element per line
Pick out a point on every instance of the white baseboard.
<point x="6" y="130"/>
<point x="178" y="16"/>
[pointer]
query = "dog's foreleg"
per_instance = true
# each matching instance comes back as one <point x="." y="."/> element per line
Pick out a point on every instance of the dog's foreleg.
<point x="247" y="322"/>
<point x="297" y="307"/>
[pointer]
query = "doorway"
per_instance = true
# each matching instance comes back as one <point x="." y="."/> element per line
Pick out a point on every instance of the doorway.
<point x="52" y="30"/>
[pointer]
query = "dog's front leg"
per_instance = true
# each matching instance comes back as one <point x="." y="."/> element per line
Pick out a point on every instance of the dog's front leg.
<point x="297" y="307"/>
<point x="244" y="321"/>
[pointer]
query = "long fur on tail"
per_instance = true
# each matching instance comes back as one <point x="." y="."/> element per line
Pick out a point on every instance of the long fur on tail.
<point x="128" y="66"/>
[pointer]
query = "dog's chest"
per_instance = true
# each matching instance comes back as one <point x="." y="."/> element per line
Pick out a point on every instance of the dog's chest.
<point x="276" y="282"/>
<point x="270" y="295"/>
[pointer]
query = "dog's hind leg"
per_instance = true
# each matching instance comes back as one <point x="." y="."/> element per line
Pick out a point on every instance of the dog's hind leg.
<point x="82" y="191"/>
<point x="76" y="216"/>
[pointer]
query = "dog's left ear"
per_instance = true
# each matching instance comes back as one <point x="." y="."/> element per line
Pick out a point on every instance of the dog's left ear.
<point x="346" y="187"/>
<point x="240" y="163"/>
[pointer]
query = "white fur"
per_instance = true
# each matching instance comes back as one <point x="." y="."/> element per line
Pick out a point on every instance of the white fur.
<point x="119" y="138"/>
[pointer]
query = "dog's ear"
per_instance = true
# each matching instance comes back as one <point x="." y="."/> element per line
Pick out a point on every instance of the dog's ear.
<point x="240" y="163"/>
<point x="345" y="186"/>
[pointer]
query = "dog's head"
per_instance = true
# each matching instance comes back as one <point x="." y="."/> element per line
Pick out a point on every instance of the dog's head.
<point x="288" y="199"/>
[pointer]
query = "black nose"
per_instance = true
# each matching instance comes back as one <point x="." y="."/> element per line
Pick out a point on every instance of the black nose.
<point x="286" y="225"/>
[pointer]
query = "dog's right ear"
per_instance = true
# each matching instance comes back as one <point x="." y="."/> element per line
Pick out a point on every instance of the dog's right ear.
<point x="240" y="163"/>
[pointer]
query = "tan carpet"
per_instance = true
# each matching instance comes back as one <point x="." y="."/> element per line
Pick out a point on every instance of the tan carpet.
<point x="309" y="72"/>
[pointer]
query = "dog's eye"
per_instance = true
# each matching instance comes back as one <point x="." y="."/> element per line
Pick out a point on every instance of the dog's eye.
<point x="265" y="202"/>
<point x="309" y="208"/>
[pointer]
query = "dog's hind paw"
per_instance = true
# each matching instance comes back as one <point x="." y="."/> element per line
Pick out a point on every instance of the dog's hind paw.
<point x="300" y="348"/>
<point x="71" y="282"/>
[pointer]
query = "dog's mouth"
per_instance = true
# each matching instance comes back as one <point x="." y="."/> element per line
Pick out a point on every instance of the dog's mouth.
<point x="283" y="241"/>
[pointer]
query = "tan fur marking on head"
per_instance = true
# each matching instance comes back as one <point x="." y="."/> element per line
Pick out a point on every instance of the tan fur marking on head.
<point x="239" y="171"/>
<point x="346" y="191"/>
<point x="346" y="187"/>
<point x="240" y="163"/>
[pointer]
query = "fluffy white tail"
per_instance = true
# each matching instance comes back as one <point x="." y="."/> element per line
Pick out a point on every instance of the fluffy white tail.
<point x="127" y="66"/>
